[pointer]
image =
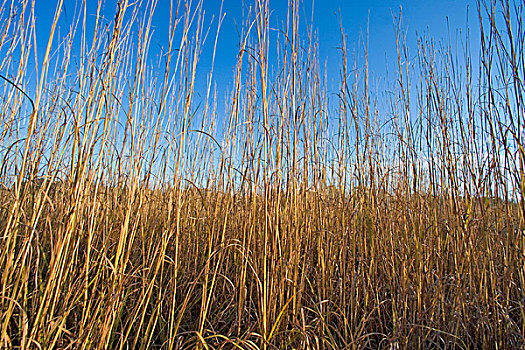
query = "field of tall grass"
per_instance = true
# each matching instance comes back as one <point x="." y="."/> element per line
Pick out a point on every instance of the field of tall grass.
<point x="138" y="211"/>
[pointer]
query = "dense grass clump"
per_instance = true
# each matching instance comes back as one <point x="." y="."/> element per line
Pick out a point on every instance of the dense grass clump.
<point x="135" y="215"/>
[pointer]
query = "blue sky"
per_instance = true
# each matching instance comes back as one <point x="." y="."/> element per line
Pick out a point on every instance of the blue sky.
<point x="419" y="17"/>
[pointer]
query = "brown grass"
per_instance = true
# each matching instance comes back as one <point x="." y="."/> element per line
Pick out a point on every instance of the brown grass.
<point x="133" y="215"/>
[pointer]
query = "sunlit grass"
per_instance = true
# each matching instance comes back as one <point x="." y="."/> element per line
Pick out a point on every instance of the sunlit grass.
<point x="135" y="215"/>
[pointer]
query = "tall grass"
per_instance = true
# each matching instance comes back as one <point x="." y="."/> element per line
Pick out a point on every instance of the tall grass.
<point x="135" y="213"/>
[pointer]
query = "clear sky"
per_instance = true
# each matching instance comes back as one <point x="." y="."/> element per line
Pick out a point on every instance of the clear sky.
<point x="433" y="17"/>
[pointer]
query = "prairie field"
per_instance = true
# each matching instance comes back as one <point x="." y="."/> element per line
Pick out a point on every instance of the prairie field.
<point x="142" y="207"/>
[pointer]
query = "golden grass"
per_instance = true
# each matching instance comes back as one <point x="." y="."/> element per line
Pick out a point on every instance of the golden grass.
<point x="133" y="215"/>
